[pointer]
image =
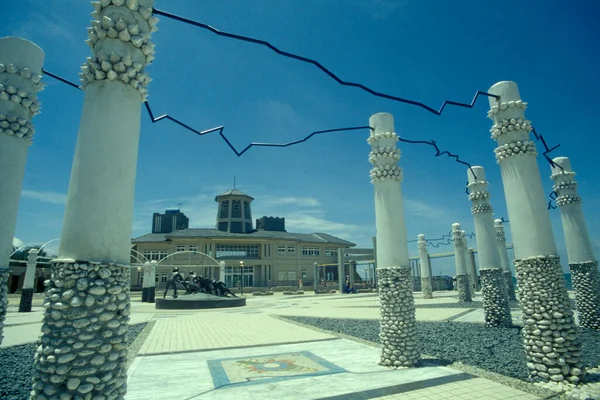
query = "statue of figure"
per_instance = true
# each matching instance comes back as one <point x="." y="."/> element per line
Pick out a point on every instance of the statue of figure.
<point x="221" y="289"/>
<point x="190" y="283"/>
<point x="175" y="278"/>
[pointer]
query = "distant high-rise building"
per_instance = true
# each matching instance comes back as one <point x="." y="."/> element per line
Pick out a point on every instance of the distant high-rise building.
<point x="173" y="219"/>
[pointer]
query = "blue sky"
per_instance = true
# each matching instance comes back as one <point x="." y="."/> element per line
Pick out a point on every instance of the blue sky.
<point x="423" y="50"/>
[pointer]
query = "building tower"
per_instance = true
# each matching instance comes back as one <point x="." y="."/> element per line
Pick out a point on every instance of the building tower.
<point x="234" y="214"/>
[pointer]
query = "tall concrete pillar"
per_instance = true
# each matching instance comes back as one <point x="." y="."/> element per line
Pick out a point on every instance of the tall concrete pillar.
<point x="426" y="286"/>
<point x="398" y="334"/>
<point x="352" y="272"/>
<point x="463" y="283"/>
<point x="582" y="263"/>
<point x="83" y="351"/>
<point x="504" y="260"/>
<point x="341" y="271"/>
<point x="152" y="281"/>
<point x="472" y="270"/>
<point x="316" y="278"/>
<point x="21" y="64"/>
<point x="28" y="289"/>
<point x="145" y="278"/>
<point x="542" y="288"/>
<point x="493" y="287"/>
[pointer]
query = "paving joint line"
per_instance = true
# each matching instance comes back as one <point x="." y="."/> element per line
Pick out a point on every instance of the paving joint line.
<point x="163" y="353"/>
<point x="401" y="388"/>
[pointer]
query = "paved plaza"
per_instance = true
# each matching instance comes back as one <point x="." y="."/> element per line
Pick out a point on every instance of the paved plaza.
<point x="252" y="353"/>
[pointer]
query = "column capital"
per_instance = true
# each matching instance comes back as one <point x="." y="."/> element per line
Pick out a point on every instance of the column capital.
<point x="565" y="185"/>
<point x="120" y="43"/>
<point x="422" y="244"/>
<point x="21" y="64"/>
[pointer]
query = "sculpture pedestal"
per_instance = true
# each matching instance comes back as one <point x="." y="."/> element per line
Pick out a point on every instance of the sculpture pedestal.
<point x="26" y="300"/>
<point x="199" y="301"/>
<point x="586" y="283"/>
<point x="144" y="295"/>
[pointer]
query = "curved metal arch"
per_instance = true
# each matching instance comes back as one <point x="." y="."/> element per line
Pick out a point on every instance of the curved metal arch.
<point x="191" y="252"/>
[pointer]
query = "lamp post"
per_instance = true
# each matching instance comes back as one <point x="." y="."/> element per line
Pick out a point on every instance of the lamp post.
<point x="242" y="276"/>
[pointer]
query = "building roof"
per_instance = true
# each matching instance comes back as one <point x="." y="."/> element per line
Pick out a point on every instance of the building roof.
<point x="233" y="192"/>
<point x="316" y="238"/>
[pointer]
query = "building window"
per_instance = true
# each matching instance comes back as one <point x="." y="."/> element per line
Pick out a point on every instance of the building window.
<point x="156" y="255"/>
<point x="281" y="249"/>
<point x="291" y="249"/>
<point x="163" y="278"/>
<point x="310" y="251"/>
<point x="304" y="274"/>
<point x="180" y="247"/>
<point x="234" y="276"/>
<point x="237" y="251"/>
<point x="192" y="248"/>
<point x="331" y="252"/>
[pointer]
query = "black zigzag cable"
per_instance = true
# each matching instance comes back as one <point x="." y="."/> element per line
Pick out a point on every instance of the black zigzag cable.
<point x="322" y="68"/>
<point x="438" y="153"/>
<point x="547" y="150"/>
<point x="220" y="130"/>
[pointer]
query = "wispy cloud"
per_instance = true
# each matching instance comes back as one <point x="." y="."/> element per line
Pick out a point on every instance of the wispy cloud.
<point x="45" y="196"/>
<point x="49" y="25"/>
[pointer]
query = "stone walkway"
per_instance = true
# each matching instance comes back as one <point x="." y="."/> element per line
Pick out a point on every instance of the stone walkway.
<point x="249" y="353"/>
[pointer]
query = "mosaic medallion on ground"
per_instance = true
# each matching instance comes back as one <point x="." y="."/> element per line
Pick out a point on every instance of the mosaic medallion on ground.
<point x="252" y="370"/>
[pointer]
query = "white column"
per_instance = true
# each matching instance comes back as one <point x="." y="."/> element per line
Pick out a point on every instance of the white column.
<point x="472" y="269"/>
<point x="460" y="261"/>
<point x="539" y="273"/>
<point x="28" y="290"/>
<point x="504" y="259"/>
<point x="87" y="313"/>
<point x="398" y="334"/>
<point x="145" y="275"/>
<point x="493" y="287"/>
<point x="32" y="256"/>
<point x="426" y="286"/>
<point x="21" y="64"/>
<point x="341" y="271"/>
<point x="582" y="263"/>
<point x="152" y="281"/>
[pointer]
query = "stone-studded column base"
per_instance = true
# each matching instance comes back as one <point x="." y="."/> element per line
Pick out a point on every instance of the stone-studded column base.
<point x="26" y="300"/>
<point x="495" y="298"/>
<point x="552" y="345"/>
<point x="398" y="330"/>
<point x="151" y="294"/>
<point x="463" y="284"/>
<point x="144" y="295"/>
<point x="426" y="288"/>
<point x="4" y="275"/>
<point x="586" y="284"/>
<point x="510" y="286"/>
<point x="82" y="352"/>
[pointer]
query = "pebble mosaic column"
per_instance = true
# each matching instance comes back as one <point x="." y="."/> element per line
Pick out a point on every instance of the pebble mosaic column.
<point x="493" y="287"/>
<point x="21" y="64"/>
<point x="583" y="265"/>
<point x="504" y="259"/>
<point x="398" y="332"/>
<point x="82" y="352"/>
<point x="27" y="290"/>
<point x="426" y="286"/>
<point x="552" y="344"/>
<point x="463" y="282"/>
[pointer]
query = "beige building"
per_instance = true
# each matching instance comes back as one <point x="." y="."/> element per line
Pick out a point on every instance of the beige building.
<point x="235" y="251"/>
